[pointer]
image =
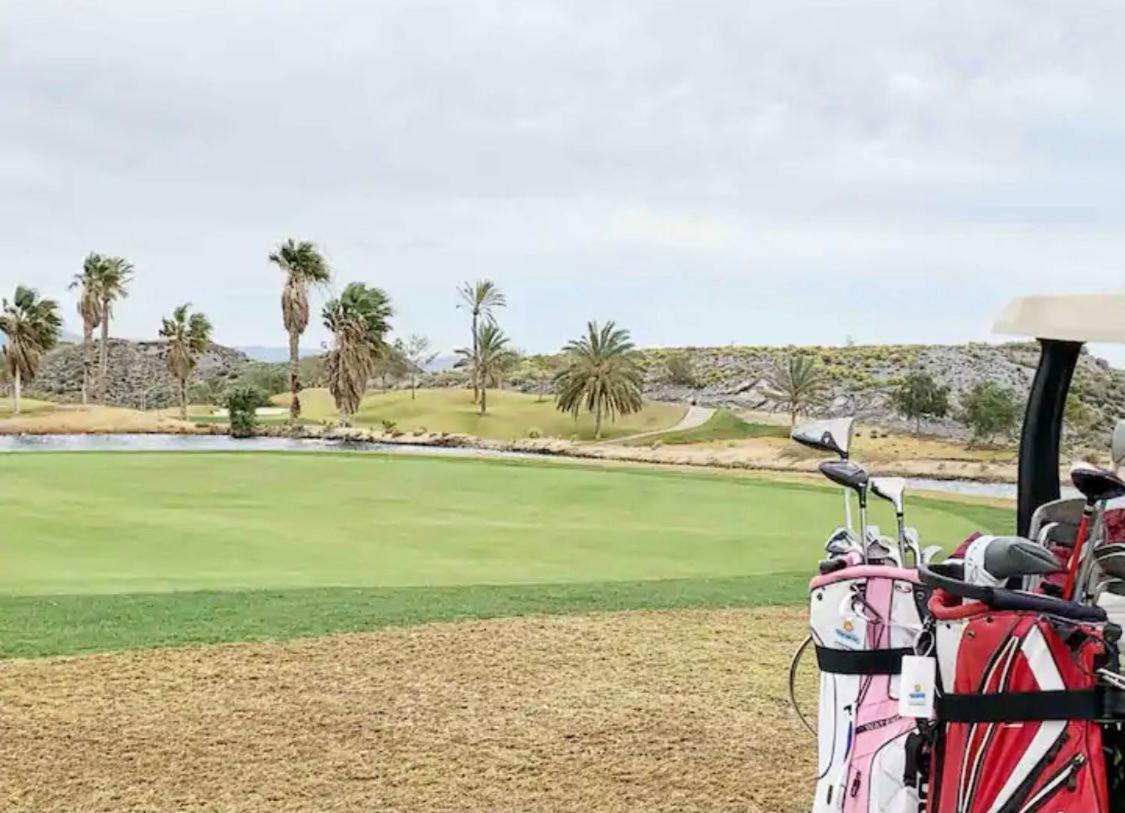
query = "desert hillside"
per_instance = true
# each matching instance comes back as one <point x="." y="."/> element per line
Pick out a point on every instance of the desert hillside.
<point x="861" y="377"/>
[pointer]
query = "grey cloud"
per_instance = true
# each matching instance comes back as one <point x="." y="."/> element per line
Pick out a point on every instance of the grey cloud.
<point x="426" y="141"/>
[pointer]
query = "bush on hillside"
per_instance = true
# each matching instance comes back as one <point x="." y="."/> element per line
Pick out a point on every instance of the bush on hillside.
<point x="918" y="396"/>
<point x="679" y="369"/>
<point x="990" y="410"/>
<point x="242" y="404"/>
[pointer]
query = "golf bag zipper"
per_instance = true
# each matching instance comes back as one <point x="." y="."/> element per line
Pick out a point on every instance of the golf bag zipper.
<point x="1018" y="801"/>
<point x="1060" y="780"/>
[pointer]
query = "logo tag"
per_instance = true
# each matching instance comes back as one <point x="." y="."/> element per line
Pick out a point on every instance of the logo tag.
<point x="916" y="693"/>
<point x="850" y="633"/>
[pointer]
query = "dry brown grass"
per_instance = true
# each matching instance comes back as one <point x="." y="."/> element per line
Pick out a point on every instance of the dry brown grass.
<point x="65" y="419"/>
<point x="624" y="712"/>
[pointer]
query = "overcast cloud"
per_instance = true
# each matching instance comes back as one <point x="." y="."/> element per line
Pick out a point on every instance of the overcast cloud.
<point x="704" y="172"/>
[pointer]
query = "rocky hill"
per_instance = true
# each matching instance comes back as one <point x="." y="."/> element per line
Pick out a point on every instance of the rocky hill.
<point x="862" y="377"/>
<point x="138" y="372"/>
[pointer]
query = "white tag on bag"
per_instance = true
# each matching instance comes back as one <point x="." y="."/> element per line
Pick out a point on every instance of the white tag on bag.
<point x="919" y="677"/>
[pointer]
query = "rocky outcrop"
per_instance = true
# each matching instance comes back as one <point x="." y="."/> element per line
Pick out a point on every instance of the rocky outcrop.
<point x="138" y="373"/>
<point x="861" y="378"/>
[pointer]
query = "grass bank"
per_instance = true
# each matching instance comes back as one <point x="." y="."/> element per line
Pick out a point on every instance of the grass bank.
<point x="510" y="414"/>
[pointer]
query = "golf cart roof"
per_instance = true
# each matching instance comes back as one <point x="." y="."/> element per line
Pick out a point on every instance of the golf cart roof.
<point x="1069" y="318"/>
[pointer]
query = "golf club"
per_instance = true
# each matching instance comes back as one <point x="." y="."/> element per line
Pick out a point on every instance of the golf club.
<point x="1096" y="485"/>
<point x="841" y="543"/>
<point x="833" y="436"/>
<point x="893" y="490"/>
<point x="854" y="478"/>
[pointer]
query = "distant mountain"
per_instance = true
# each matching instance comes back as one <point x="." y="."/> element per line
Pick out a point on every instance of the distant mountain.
<point x="441" y="364"/>
<point x="65" y="336"/>
<point x="276" y="354"/>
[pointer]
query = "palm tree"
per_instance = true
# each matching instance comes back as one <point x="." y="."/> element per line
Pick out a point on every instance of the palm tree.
<point x="359" y="320"/>
<point x="90" y="309"/>
<point x="32" y="326"/>
<point x="188" y="335"/>
<point x="304" y="266"/>
<point x="110" y="279"/>
<point x="488" y="359"/>
<point x="601" y="374"/>
<point x="795" y="383"/>
<point x="480" y="298"/>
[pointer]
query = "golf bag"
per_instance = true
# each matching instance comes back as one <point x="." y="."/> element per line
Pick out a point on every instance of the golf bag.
<point x="864" y="619"/>
<point x="1017" y="715"/>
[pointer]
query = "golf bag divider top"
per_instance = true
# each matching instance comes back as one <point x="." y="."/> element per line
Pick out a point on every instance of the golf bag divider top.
<point x="864" y="619"/>
<point x="1020" y="703"/>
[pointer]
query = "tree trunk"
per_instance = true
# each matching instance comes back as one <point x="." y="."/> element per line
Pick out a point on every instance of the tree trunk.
<point x="917" y="425"/>
<point x="87" y="362"/>
<point x="17" y="390"/>
<point x="598" y="423"/>
<point x="792" y="418"/>
<point x="483" y="400"/>
<point x="413" y="386"/>
<point x="104" y="376"/>
<point x="476" y="361"/>
<point x="294" y="380"/>
<point x="183" y="399"/>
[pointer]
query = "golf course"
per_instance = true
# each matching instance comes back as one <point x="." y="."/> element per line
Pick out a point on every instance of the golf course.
<point x="337" y="630"/>
<point x="134" y="550"/>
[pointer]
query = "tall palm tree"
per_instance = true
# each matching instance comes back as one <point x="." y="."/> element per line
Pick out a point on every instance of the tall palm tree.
<point x="796" y="383"/>
<point x="359" y="320"/>
<point x="488" y="359"/>
<point x="90" y="309"/>
<point x="601" y="374"/>
<point x="304" y="266"/>
<point x="480" y="298"/>
<point x="189" y="336"/>
<point x="32" y="326"/>
<point x="111" y="278"/>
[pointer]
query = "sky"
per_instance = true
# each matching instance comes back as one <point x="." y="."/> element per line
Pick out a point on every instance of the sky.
<point x="767" y="172"/>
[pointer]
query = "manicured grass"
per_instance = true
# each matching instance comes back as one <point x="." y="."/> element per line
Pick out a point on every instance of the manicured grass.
<point x="103" y="550"/>
<point x="63" y="625"/>
<point x="723" y="425"/>
<point x="510" y="414"/>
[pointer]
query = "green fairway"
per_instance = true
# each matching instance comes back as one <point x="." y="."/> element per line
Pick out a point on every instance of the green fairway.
<point x="109" y="550"/>
<point x="510" y="414"/>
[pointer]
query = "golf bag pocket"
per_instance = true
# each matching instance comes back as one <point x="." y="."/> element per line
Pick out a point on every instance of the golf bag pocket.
<point x="1017" y="718"/>
<point x="864" y="620"/>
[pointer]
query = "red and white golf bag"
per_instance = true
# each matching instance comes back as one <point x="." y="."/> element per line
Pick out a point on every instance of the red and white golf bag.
<point x="1019" y="703"/>
<point x="864" y="619"/>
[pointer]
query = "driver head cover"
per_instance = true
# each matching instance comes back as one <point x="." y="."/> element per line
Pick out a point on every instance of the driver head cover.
<point x="992" y="560"/>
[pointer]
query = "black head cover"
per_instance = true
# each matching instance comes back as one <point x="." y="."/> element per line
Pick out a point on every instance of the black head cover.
<point x="848" y="475"/>
<point x="1097" y="485"/>
<point x="1007" y="557"/>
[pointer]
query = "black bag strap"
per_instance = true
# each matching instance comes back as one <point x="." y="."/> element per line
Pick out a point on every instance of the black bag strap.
<point x="861" y="662"/>
<point x="1021" y="707"/>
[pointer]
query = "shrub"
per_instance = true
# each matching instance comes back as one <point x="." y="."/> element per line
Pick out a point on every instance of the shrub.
<point x="989" y="410"/>
<point x="918" y="396"/>
<point x="242" y="403"/>
<point x="389" y="426"/>
<point x="680" y="370"/>
<point x="534" y="433"/>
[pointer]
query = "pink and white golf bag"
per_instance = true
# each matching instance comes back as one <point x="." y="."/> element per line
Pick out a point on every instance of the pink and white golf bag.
<point x="864" y="619"/>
